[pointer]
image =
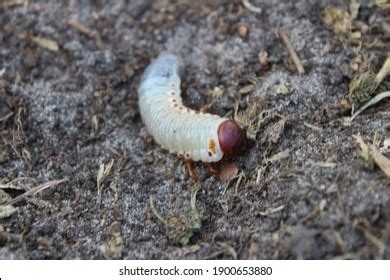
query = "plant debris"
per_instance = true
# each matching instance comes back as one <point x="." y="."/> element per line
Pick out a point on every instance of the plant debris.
<point x="14" y="3"/>
<point x="251" y="7"/>
<point x="382" y="161"/>
<point x="239" y="178"/>
<point x="46" y="43"/>
<point x="181" y="227"/>
<point x="113" y="248"/>
<point x="254" y="118"/>
<point x="228" y="171"/>
<point x="279" y="156"/>
<point x="293" y="54"/>
<point x="36" y="190"/>
<point x="365" y="83"/>
<point x="103" y="172"/>
<point x="339" y="21"/>
<point x="373" y="101"/>
<point x="370" y="153"/>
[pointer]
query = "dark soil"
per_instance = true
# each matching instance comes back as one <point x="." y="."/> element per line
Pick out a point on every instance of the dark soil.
<point x="71" y="110"/>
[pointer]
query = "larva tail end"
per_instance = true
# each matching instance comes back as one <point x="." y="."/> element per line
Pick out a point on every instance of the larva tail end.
<point x="231" y="138"/>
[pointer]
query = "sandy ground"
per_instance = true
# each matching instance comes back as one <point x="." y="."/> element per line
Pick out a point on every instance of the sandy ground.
<point x="69" y="105"/>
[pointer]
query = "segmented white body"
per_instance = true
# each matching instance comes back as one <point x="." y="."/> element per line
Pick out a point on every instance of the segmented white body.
<point x="183" y="131"/>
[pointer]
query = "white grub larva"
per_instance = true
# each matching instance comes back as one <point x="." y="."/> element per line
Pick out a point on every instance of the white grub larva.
<point x="183" y="131"/>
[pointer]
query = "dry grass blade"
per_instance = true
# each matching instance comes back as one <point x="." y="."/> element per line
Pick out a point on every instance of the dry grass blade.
<point x="14" y="3"/>
<point x="37" y="190"/>
<point x="279" y="156"/>
<point x="383" y="72"/>
<point x="154" y="210"/>
<point x="239" y="178"/>
<point x="292" y="52"/>
<point x="91" y="33"/>
<point x="104" y="171"/>
<point x="251" y="7"/>
<point x="12" y="185"/>
<point x="373" y="101"/>
<point x="371" y="151"/>
<point x="269" y="212"/>
<point x="363" y="146"/>
<point x="46" y="43"/>
<point x="6" y="117"/>
<point x="382" y="161"/>
<point x="364" y="150"/>
<point x="82" y="28"/>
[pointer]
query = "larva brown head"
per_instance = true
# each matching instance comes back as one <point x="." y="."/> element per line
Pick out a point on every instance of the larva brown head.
<point x="231" y="138"/>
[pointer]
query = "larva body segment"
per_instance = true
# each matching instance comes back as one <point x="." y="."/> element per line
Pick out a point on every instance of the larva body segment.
<point x="183" y="131"/>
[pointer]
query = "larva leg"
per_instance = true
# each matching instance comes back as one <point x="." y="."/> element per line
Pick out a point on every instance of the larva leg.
<point x="206" y="108"/>
<point x="191" y="171"/>
<point x="212" y="169"/>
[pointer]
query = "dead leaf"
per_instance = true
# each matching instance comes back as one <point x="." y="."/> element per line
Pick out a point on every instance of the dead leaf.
<point x="277" y="130"/>
<point x="6" y="211"/>
<point x="246" y="89"/>
<point x="228" y="171"/>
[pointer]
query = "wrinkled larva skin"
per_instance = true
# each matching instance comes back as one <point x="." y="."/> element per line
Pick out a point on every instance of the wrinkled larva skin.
<point x="183" y="131"/>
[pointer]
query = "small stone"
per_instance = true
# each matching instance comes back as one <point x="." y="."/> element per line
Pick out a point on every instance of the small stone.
<point x="243" y="30"/>
<point x="263" y="58"/>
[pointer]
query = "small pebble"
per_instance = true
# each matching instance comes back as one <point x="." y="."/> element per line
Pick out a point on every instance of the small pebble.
<point x="243" y="31"/>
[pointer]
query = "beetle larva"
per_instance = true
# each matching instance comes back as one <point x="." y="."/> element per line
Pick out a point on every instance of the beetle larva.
<point x="188" y="133"/>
